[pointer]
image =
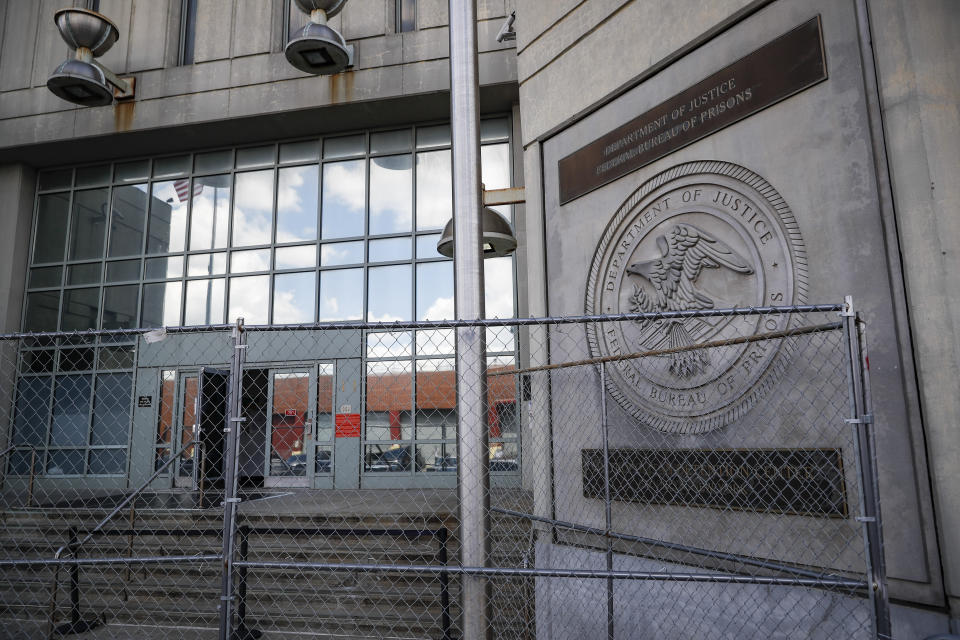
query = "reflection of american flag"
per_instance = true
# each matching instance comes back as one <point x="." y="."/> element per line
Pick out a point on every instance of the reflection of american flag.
<point x="183" y="189"/>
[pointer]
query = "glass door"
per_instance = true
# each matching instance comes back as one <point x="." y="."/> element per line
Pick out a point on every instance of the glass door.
<point x="290" y="455"/>
<point x="323" y="434"/>
<point x="186" y="429"/>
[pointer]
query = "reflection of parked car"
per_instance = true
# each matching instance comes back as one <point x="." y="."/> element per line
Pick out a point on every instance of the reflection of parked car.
<point x="394" y="459"/>
<point x="442" y="463"/>
<point x="504" y="464"/>
<point x="324" y="463"/>
<point x="296" y="465"/>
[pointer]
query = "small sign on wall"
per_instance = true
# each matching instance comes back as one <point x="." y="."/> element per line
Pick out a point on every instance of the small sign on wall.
<point x="348" y="425"/>
<point x="144" y="402"/>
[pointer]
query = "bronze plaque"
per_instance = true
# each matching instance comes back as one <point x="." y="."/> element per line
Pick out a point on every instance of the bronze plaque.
<point x="774" y="72"/>
<point x="797" y="481"/>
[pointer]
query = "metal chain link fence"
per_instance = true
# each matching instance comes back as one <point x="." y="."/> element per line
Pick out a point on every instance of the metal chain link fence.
<point x="677" y="475"/>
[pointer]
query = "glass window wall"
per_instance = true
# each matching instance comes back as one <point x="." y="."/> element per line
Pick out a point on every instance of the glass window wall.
<point x="337" y="229"/>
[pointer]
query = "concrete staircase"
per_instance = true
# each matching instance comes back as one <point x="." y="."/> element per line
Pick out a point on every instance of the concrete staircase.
<point x="181" y="600"/>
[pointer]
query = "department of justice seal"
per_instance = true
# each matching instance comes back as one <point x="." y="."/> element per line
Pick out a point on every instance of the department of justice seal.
<point x="702" y="235"/>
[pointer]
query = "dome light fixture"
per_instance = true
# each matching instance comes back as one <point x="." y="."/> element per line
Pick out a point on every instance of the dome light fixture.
<point x="318" y="48"/>
<point x="496" y="234"/>
<point x="81" y="79"/>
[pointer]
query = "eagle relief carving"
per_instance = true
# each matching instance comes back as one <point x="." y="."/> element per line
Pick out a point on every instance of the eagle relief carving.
<point x="699" y="236"/>
<point x="673" y="277"/>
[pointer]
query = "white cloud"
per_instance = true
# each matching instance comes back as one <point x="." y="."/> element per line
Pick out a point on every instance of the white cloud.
<point x="288" y="310"/>
<point x="343" y="182"/>
<point x="441" y="309"/>
<point x="498" y="287"/>
<point x="391" y="191"/>
<point x="434" y="189"/>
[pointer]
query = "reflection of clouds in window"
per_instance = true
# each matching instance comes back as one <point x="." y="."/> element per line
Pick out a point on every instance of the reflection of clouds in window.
<point x="294" y="257"/>
<point x="344" y="199"/>
<point x="253" y="206"/>
<point x="498" y="287"/>
<point x="297" y="204"/>
<point x="168" y="220"/>
<point x="441" y="309"/>
<point x="391" y="192"/>
<point x="341" y="295"/>
<point x="211" y="211"/>
<point x="435" y="299"/>
<point x="293" y="297"/>
<point x="341" y="253"/>
<point x="435" y="342"/>
<point x="495" y="166"/>
<point x="247" y="261"/>
<point x="389" y="249"/>
<point x="388" y="294"/>
<point x="250" y="299"/>
<point x="434" y="189"/>
<point x="161" y="304"/>
<point x="391" y="344"/>
<point x="204" y="302"/>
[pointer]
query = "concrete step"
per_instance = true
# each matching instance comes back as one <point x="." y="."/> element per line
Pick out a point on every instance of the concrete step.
<point x="308" y="603"/>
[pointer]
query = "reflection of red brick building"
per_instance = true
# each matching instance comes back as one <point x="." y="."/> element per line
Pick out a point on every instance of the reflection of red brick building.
<point x="389" y="393"/>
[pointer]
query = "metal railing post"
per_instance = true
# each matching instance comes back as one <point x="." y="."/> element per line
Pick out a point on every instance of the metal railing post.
<point x="243" y="632"/>
<point x="444" y="583"/>
<point x="862" y="423"/>
<point x="607" y="509"/>
<point x="472" y="436"/>
<point x="74" y="588"/>
<point x="230" y="499"/>
<point x="33" y="473"/>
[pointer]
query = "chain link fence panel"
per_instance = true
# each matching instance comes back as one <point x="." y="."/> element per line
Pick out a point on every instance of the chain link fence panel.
<point x="681" y="475"/>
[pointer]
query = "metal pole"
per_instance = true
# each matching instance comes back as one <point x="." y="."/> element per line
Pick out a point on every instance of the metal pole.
<point x="607" y="513"/>
<point x="862" y="422"/>
<point x="472" y="437"/>
<point x="230" y="499"/>
<point x="33" y="469"/>
<point x="242" y="631"/>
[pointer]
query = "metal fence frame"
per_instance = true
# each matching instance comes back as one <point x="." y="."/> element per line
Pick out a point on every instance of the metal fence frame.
<point x="233" y="557"/>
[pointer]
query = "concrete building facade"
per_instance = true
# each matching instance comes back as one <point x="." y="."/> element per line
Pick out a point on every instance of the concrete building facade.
<point x="863" y="157"/>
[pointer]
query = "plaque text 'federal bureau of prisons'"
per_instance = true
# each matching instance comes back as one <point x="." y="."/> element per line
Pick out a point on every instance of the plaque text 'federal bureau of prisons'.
<point x="774" y="72"/>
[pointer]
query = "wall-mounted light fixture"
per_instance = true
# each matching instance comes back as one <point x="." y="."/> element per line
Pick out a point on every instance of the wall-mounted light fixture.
<point x="318" y="48"/>
<point x="496" y="234"/>
<point x="81" y="79"/>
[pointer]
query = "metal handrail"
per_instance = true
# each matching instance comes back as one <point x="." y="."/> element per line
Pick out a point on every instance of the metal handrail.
<point x="74" y="546"/>
<point x="440" y="534"/>
<point x="672" y="546"/>
<point x="33" y="468"/>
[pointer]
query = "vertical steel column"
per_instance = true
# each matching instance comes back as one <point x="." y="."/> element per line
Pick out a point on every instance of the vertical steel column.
<point x="862" y="422"/>
<point x="230" y="499"/>
<point x="607" y="510"/>
<point x="472" y="437"/>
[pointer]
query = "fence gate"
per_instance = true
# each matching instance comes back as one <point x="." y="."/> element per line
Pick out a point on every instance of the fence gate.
<point x="687" y="474"/>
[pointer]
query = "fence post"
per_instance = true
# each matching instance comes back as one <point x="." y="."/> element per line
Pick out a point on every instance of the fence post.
<point x="230" y="499"/>
<point x="862" y="422"/>
<point x="607" y="510"/>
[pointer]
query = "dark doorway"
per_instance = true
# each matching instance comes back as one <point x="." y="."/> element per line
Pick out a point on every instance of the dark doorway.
<point x="212" y="420"/>
<point x="253" y="432"/>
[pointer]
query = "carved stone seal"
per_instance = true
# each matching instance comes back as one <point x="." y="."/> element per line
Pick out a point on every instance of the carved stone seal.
<point x="701" y="235"/>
